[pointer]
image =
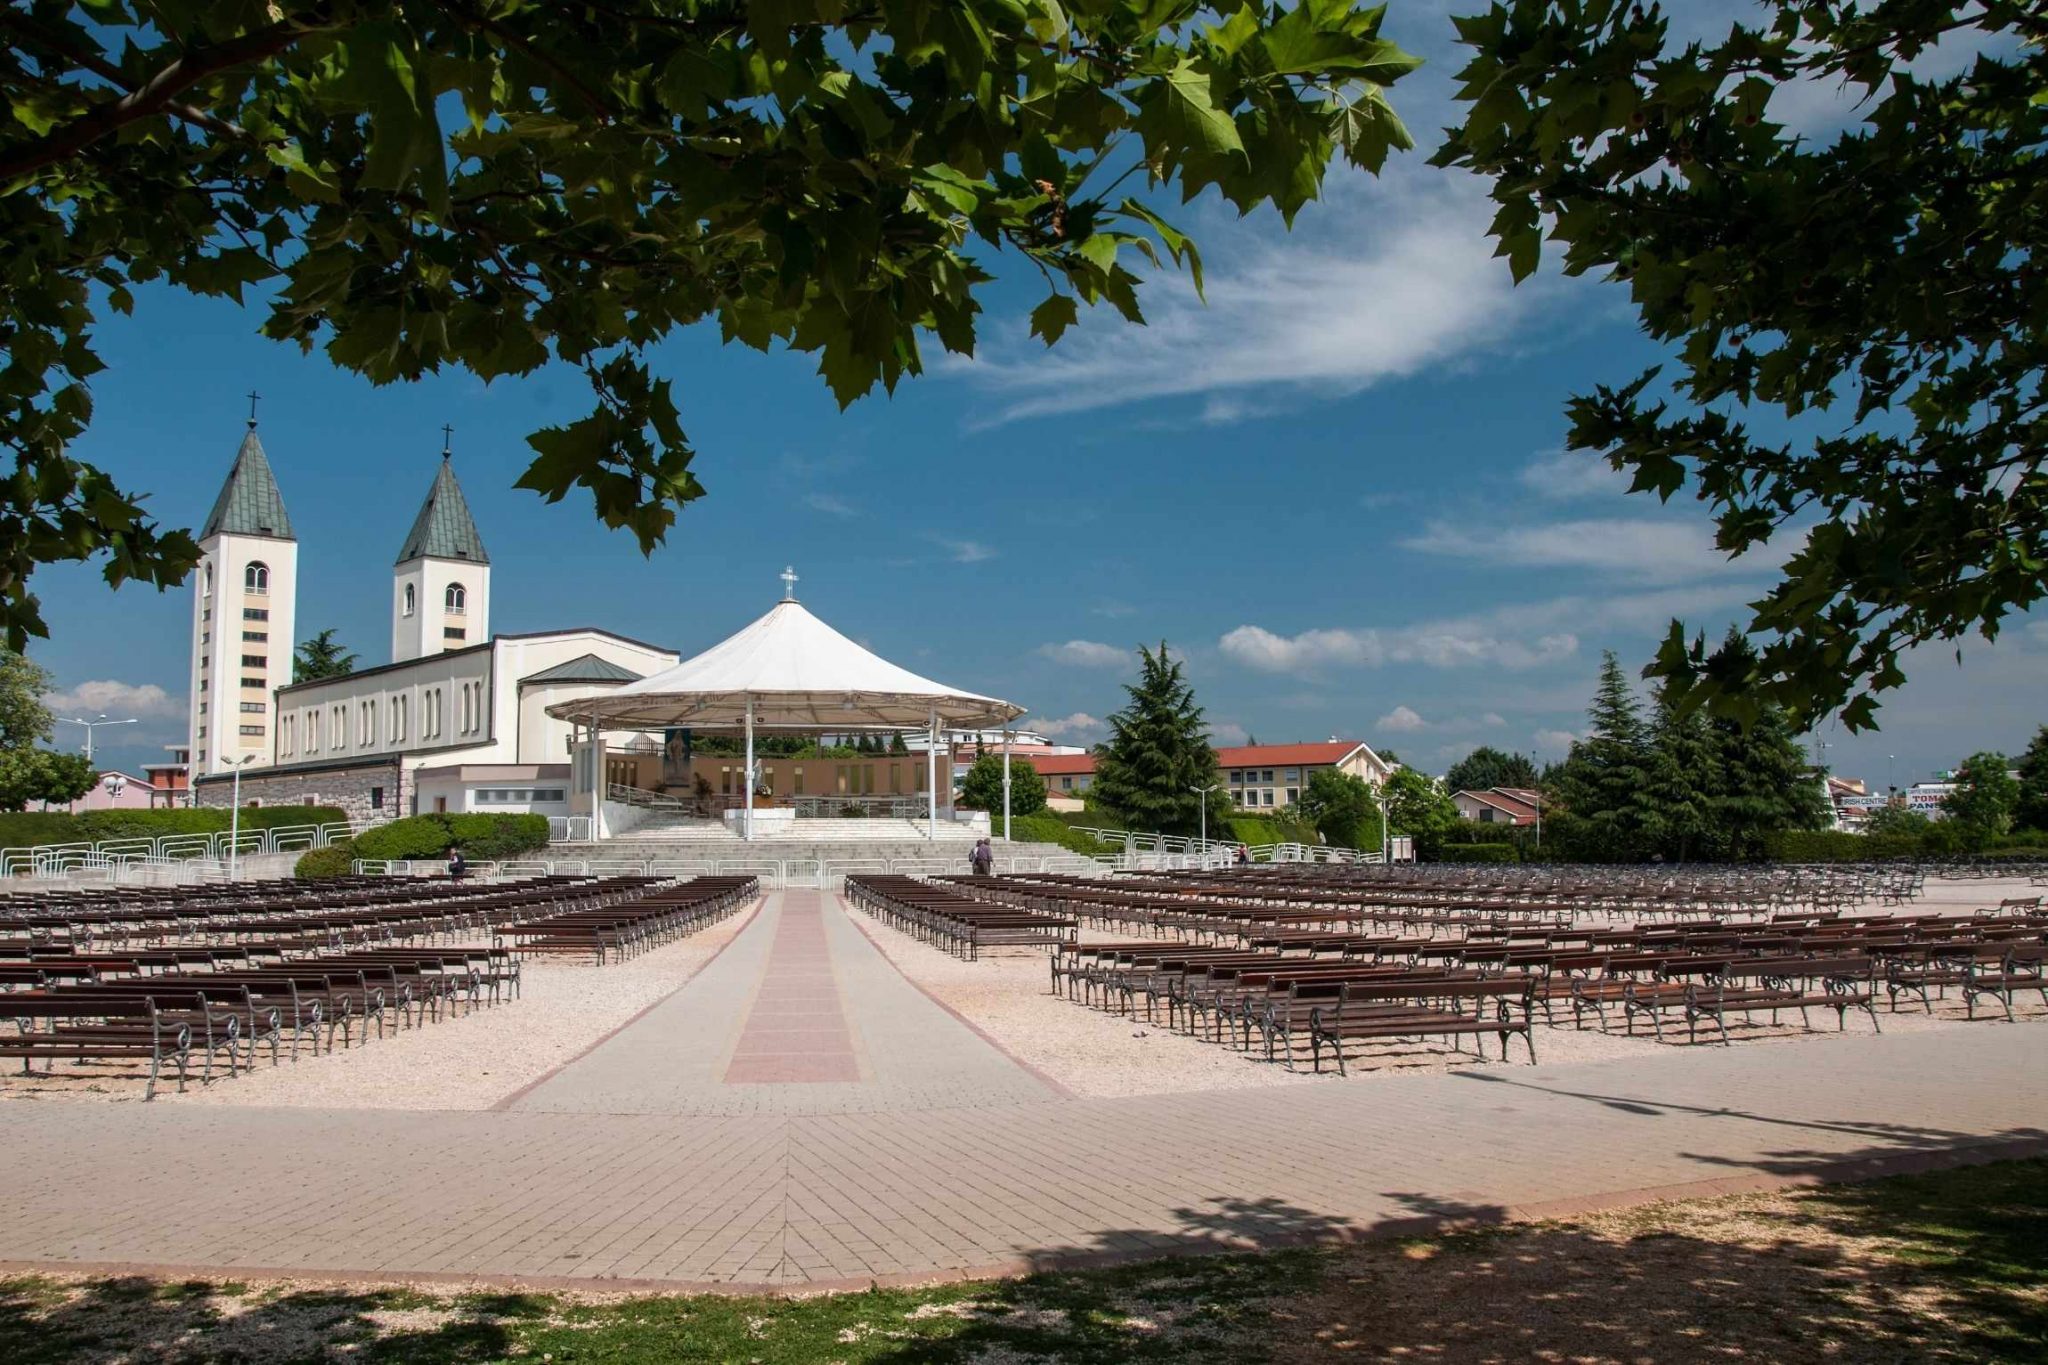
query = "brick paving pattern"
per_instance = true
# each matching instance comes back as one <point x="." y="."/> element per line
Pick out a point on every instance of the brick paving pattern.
<point x="646" y="1162"/>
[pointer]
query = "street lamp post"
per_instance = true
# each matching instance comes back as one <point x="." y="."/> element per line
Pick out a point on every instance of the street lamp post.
<point x="235" y="818"/>
<point x="1203" y="792"/>
<point x="94" y="724"/>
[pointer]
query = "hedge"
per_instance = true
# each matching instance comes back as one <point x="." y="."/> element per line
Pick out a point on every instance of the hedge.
<point x="1046" y="827"/>
<point x="333" y="861"/>
<point x="24" y="829"/>
<point x="484" y="838"/>
<point x="1477" y="853"/>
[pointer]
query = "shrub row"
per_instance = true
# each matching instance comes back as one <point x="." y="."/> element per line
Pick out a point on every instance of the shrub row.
<point x="1046" y="827"/>
<point x="1478" y="853"/>
<point x="25" y="829"/>
<point x="482" y="838"/>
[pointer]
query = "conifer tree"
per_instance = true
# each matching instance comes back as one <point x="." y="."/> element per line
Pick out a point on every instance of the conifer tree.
<point x="1486" y="768"/>
<point x="1765" y="783"/>
<point x="1157" y="753"/>
<point x="1605" y="781"/>
<point x="2032" y="810"/>
<point x="1685" y="779"/>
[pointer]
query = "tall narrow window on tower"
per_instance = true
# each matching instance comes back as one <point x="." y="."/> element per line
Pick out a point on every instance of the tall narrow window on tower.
<point x="256" y="578"/>
<point x="411" y="600"/>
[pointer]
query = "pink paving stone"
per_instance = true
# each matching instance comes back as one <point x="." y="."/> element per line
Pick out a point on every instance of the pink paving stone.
<point x="796" y="1033"/>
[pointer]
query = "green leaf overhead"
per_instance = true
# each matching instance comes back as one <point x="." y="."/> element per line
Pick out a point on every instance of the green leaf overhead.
<point x="1873" y="295"/>
<point x="499" y="185"/>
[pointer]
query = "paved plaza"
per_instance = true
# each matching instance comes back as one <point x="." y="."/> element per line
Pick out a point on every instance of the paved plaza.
<point x="799" y="1114"/>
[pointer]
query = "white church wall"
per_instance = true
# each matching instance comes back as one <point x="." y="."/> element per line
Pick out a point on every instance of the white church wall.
<point x="540" y="738"/>
<point x="219" y="623"/>
<point x="434" y="623"/>
<point x="442" y="702"/>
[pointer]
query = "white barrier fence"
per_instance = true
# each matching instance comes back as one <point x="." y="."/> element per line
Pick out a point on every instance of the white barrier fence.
<point x="828" y="874"/>
<point x="1222" y="851"/>
<point x="167" y="851"/>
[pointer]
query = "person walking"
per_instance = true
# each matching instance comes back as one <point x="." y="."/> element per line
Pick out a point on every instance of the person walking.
<point x="983" y="858"/>
<point x="1244" y="855"/>
<point x="458" y="866"/>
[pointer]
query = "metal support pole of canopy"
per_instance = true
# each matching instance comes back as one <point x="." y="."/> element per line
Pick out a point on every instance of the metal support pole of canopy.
<point x="1006" y="784"/>
<point x="931" y="779"/>
<point x="749" y="827"/>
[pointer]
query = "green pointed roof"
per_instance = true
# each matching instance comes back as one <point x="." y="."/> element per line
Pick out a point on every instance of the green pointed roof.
<point x="249" y="503"/>
<point x="443" y="529"/>
<point x="587" y="668"/>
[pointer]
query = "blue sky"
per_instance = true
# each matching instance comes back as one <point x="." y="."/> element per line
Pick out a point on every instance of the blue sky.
<point x="1337" y="488"/>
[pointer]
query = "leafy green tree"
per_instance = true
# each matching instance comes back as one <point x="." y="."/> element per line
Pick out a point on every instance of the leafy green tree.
<point x="29" y="773"/>
<point x="1343" y="808"/>
<point x="1486" y="768"/>
<point x="1981" y="807"/>
<point x="1605" y="781"/>
<point x="982" y="788"/>
<point x="1895" y="819"/>
<point x="804" y="173"/>
<point x="897" y="744"/>
<point x="1766" y="784"/>
<point x="1685" y="779"/>
<point x="1420" y="809"/>
<point x="1156" y="755"/>
<point x="320" y="657"/>
<point x="2031" y="810"/>
<point x="1788" y="273"/>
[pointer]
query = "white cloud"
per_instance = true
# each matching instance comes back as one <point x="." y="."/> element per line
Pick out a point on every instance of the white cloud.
<point x="965" y="551"/>
<point x="1652" y="550"/>
<point x="1554" y="741"/>
<point x="1113" y="609"/>
<point x="1086" y="654"/>
<point x="1385" y="280"/>
<point x="1566" y="475"/>
<point x="118" y="700"/>
<point x="1228" y="733"/>
<point x="1492" y="718"/>
<point x="1446" y="645"/>
<point x="1080" y="727"/>
<point x="830" y="504"/>
<point x="1401" y="720"/>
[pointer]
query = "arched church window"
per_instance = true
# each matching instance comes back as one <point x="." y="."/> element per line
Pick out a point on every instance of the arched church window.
<point x="458" y="600"/>
<point x="256" y="578"/>
<point x="411" y="600"/>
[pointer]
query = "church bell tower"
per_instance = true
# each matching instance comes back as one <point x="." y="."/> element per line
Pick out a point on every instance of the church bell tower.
<point x="244" y="610"/>
<point x="441" y="585"/>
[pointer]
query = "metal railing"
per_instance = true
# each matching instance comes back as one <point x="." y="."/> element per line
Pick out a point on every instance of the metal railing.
<point x="824" y="874"/>
<point x="1134" y="842"/>
<point x="59" y="860"/>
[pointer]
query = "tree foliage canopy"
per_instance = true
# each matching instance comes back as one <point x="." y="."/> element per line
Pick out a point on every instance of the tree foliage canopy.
<point x="322" y="657"/>
<point x="1157" y="754"/>
<point x="1985" y="797"/>
<point x="1892" y="272"/>
<point x="501" y="184"/>
<point x="2031" y="810"/>
<point x="1420" y="809"/>
<point x="29" y="772"/>
<point x="982" y="788"/>
<point x="1486" y="768"/>
<point x="1343" y="808"/>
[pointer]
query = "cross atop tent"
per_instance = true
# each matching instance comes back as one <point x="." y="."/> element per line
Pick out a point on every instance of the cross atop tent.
<point x="788" y="577"/>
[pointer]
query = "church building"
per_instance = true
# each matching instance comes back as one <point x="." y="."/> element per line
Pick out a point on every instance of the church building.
<point x="457" y="721"/>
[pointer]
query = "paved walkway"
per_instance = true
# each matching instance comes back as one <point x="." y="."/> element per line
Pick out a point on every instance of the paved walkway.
<point x="671" y="1156"/>
<point x="801" y="1014"/>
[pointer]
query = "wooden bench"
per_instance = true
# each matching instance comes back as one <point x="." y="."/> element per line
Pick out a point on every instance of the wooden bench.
<point x="83" y="1028"/>
<point x="1378" y="1011"/>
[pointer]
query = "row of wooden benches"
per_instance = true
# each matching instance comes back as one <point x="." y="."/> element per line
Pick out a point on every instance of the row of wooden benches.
<point x="962" y="924"/>
<point x="166" y="1007"/>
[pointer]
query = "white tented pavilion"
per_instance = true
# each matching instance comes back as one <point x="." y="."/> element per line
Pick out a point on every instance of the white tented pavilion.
<point x="788" y="671"/>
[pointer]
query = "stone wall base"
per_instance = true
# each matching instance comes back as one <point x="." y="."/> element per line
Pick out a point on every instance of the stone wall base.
<point x="354" y="790"/>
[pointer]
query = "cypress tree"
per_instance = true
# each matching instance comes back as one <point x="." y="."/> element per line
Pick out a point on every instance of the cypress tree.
<point x="1157" y="752"/>
<point x="1605" y="781"/>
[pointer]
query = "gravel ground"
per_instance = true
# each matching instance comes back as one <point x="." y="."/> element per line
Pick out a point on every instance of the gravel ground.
<point x="468" y="1062"/>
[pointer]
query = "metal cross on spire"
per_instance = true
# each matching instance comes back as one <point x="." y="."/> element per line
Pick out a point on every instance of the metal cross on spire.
<point x="788" y="577"/>
<point x="253" y="396"/>
<point x="447" y="441"/>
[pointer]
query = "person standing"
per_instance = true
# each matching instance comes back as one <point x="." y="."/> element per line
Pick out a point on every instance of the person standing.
<point x="983" y="858"/>
<point x="458" y="866"/>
